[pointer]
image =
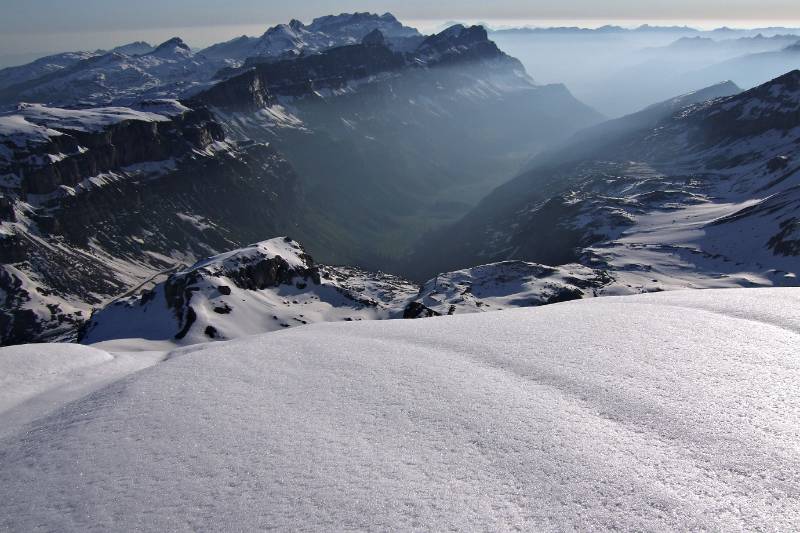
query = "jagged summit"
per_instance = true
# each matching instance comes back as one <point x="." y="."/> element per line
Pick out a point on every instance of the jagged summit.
<point x="457" y="34"/>
<point x="460" y="43"/>
<point x="359" y="22"/>
<point x="174" y="47"/>
<point x="296" y="38"/>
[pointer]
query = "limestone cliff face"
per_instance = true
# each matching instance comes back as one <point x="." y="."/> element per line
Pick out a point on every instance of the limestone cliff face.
<point x="69" y="158"/>
<point x="262" y="83"/>
<point x="92" y="214"/>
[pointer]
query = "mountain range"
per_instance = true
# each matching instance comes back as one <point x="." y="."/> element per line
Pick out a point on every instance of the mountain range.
<point x="375" y="147"/>
<point x="353" y="149"/>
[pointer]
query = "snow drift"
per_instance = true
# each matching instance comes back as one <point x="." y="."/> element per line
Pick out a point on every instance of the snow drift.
<point x="653" y="412"/>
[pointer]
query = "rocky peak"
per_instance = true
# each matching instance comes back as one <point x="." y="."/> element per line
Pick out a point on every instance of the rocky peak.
<point x="458" y="34"/>
<point x="458" y="44"/>
<point x="258" y="266"/>
<point x="374" y="38"/>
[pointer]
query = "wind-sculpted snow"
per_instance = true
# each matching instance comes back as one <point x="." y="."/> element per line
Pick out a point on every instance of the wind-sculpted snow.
<point x="37" y="378"/>
<point x="659" y="412"/>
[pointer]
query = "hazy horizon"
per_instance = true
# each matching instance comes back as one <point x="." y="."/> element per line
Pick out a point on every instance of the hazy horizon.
<point x="22" y="47"/>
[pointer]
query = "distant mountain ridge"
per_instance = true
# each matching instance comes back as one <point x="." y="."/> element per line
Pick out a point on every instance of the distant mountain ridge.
<point x="723" y="32"/>
<point x="139" y="71"/>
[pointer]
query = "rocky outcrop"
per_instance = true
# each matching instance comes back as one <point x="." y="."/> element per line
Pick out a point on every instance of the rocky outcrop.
<point x="263" y="287"/>
<point x="374" y="38"/>
<point x="505" y="285"/>
<point x="417" y="310"/>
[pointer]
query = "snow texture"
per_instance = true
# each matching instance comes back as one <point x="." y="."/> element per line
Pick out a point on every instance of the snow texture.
<point x="672" y="411"/>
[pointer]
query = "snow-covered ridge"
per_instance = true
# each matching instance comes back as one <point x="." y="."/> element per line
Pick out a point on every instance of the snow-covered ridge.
<point x="94" y="119"/>
<point x="32" y="124"/>
<point x="772" y="106"/>
<point x="267" y="286"/>
<point x="676" y="411"/>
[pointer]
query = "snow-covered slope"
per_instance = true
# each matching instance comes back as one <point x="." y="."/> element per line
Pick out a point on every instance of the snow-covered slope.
<point x="35" y="379"/>
<point x="675" y="411"/>
<point x="46" y="65"/>
<point x="265" y="287"/>
<point x="117" y="78"/>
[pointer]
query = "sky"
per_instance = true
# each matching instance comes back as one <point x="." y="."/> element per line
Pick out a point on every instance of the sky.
<point x="31" y="27"/>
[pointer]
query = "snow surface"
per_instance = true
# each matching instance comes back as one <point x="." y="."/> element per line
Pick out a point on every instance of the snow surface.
<point x="18" y="131"/>
<point x="672" y="411"/>
<point x="88" y="120"/>
<point x="37" y="378"/>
